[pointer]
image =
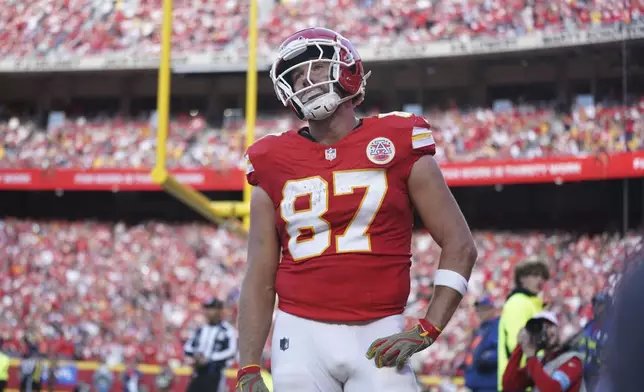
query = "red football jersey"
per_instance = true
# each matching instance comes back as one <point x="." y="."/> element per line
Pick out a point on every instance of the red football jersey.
<point x="344" y="216"/>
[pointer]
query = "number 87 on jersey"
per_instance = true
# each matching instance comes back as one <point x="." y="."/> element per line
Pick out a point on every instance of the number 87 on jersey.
<point x="355" y="203"/>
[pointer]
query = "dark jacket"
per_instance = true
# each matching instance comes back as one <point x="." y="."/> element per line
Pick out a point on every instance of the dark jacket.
<point x="481" y="361"/>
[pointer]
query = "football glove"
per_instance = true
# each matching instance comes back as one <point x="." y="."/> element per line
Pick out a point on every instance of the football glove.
<point x="395" y="350"/>
<point x="249" y="379"/>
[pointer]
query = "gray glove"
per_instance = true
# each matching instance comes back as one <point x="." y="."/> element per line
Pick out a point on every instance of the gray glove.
<point x="395" y="350"/>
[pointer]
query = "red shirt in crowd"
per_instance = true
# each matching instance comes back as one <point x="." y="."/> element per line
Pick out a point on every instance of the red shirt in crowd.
<point x="567" y="378"/>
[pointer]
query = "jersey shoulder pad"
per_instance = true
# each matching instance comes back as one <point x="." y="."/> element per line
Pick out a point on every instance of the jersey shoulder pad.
<point x="258" y="156"/>
<point x="415" y="129"/>
<point x="263" y="144"/>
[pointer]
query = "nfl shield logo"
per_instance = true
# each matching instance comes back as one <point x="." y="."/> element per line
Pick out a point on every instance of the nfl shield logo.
<point x="283" y="344"/>
<point x="329" y="154"/>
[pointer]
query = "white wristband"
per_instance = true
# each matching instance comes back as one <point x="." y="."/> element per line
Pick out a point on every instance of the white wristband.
<point x="451" y="279"/>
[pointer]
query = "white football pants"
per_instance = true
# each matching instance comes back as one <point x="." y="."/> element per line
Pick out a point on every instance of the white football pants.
<point x="309" y="356"/>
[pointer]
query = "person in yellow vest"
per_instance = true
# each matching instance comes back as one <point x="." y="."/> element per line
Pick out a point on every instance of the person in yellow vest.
<point x="4" y="368"/>
<point x="522" y="304"/>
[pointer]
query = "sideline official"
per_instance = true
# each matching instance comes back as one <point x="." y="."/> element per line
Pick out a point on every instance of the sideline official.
<point x="212" y="347"/>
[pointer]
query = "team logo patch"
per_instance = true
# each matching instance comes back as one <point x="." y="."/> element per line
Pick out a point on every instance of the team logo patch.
<point x="381" y="150"/>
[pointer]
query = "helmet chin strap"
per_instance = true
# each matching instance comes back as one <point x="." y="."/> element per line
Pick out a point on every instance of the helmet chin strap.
<point x="321" y="107"/>
<point x="324" y="106"/>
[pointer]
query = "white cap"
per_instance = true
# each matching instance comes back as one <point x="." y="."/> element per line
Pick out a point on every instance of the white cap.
<point x="546" y="315"/>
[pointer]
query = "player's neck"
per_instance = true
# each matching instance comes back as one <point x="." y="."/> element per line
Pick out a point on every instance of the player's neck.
<point x="333" y="129"/>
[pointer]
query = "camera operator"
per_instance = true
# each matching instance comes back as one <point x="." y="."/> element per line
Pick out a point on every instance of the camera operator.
<point x="560" y="369"/>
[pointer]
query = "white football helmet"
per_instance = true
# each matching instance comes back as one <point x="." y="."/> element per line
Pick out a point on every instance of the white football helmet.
<point x="346" y="80"/>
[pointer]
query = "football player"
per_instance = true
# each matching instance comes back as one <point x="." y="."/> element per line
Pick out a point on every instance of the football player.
<point x="331" y="229"/>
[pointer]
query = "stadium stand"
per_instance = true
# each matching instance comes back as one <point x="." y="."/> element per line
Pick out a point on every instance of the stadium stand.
<point x="83" y="27"/>
<point x="106" y="288"/>
<point x="523" y="132"/>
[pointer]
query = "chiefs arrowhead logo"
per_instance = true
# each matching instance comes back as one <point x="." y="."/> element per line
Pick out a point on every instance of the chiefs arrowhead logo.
<point x="381" y="150"/>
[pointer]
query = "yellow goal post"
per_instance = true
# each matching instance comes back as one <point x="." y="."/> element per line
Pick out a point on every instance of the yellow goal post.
<point x="217" y="212"/>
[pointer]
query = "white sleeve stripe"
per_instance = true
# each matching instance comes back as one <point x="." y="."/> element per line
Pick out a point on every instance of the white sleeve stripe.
<point x="428" y="141"/>
<point x="249" y="165"/>
<point x="420" y="131"/>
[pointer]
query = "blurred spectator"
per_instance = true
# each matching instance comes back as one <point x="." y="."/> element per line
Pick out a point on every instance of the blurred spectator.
<point x="103" y="378"/>
<point x="82" y="387"/>
<point x="4" y="367"/>
<point x="592" y="338"/>
<point x="164" y="380"/>
<point x="481" y="360"/>
<point x="48" y="372"/>
<point x="560" y="369"/>
<point x="132" y="378"/>
<point x="30" y="370"/>
<point x="522" y="304"/>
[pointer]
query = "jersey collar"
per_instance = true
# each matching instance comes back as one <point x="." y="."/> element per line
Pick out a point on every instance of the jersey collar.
<point x="305" y="133"/>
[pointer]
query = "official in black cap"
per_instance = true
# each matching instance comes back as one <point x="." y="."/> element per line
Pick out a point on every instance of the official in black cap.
<point x="212" y="348"/>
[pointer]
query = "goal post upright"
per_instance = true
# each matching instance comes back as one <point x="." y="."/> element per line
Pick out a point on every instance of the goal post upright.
<point x="236" y="208"/>
<point x="160" y="175"/>
<point x="251" y="94"/>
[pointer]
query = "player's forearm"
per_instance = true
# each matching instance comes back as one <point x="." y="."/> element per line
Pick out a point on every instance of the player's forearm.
<point x="256" y="303"/>
<point x="445" y="300"/>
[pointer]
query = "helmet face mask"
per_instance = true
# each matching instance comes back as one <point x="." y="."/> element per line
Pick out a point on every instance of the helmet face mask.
<point x="316" y="71"/>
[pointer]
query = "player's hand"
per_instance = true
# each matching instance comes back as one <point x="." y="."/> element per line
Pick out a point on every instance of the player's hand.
<point x="395" y="350"/>
<point x="249" y="379"/>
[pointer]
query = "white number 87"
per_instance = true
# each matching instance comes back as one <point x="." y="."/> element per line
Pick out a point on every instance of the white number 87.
<point x="355" y="238"/>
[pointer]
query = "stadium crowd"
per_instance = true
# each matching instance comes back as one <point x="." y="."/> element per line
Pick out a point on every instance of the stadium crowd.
<point x="119" y="293"/>
<point x="82" y="27"/>
<point x="482" y="133"/>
